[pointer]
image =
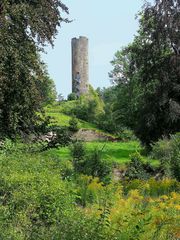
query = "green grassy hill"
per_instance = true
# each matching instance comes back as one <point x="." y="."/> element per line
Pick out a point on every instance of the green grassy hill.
<point x="43" y="197"/>
<point x="56" y="112"/>
<point x="114" y="152"/>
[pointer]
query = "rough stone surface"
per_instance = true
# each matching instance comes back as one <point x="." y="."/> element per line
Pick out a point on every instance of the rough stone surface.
<point x="89" y="135"/>
<point x="80" y="68"/>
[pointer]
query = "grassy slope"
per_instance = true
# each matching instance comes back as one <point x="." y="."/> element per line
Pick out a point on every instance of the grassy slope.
<point x="118" y="153"/>
<point x="59" y="118"/>
<point x="114" y="152"/>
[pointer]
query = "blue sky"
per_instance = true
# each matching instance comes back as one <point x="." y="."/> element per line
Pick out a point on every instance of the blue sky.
<point x="109" y="25"/>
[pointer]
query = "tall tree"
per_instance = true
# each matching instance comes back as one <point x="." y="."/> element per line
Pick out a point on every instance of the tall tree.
<point x="25" y="27"/>
<point x="167" y="16"/>
<point x="148" y="72"/>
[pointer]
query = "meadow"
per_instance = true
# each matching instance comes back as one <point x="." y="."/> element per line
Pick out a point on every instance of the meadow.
<point x="58" y="116"/>
<point x="117" y="153"/>
<point x="42" y="197"/>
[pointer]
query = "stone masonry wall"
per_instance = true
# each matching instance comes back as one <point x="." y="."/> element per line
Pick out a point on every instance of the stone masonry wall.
<point x="80" y="68"/>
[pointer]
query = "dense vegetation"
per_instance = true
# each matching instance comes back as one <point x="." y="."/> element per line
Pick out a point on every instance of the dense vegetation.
<point x="125" y="184"/>
<point x="42" y="196"/>
<point x="147" y="75"/>
<point x="25" y="29"/>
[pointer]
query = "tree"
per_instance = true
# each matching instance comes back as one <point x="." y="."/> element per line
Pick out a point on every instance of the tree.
<point x="26" y="26"/>
<point x="48" y="90"/>
<point x="72" y="97"/>
<point x="89" y="106"/>
<point x="106" y="120"/>
<point x="167" y="16"/>
<point x="148" y="76"/>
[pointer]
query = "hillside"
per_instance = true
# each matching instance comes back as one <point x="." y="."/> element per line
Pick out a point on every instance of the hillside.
<point x="58" y="113"/>
<point x="115" y="152"/>
<point x="43" y="197"/>
<point x="81" y="191"/>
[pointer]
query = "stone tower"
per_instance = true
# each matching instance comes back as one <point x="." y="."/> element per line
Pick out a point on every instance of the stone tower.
<point x="80" y="68"/>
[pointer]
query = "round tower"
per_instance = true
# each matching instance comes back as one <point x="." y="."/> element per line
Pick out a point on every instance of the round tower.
<point x="80" y="68"/>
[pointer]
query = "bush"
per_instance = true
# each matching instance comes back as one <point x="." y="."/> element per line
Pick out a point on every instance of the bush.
<point x="78" y="153"/>
<point x="152" y="187"/>
<point x="168" y="152"/>
<point x="88" y="106"/>
<point x="175" y="159"/>
<point x="37" y="202"/>
<point x="7" y="146"/>
<point x="137" y="169"/>
<point x="86" y="109"/>
<point x="105" y="121"/>
<point x="73" y="125"/>
<point x="61" y="137"/>
<point x="90" y="164"/>
<point x="126" y="134"/>
<point x="95" y="166"/>
<point x="71" y="97"/>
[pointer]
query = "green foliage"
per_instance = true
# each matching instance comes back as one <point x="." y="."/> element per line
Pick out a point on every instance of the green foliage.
<point x="168" y="152"/>
<point x="61" y="114"/>
<point x="78" y="153"/>
<point x="127" y="135"/>
<point x="106" y="122"/>
<point x="72" y="97"/>
<point x="147" y="75"/>
<point x="85" y="110"/>
<point x="60" y="137"/>
<point x="7" y="146"/>
<point x="97" y="167"/>
<point x="42" y="199"/>
<point x="48" y="90"/>
<point x="162" y="150"/>
<point x="152" y="187"/>
<point x="117" y="153"/>
<point x="90" y="164"/>
<point x="175" y="159"/>
<point x="34" y="203"/>
<point x="73" y="125"/>
<point x="137" y="169"/>
<point x="25" y="29"/>
<point x="88" y="107"/>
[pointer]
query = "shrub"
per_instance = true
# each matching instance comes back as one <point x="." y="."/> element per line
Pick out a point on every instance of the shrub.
<point x="152" y="187"/>
<point x="175" y="159"/>
<point x="71" y="97"/>
<point x="7" y="146"/>
<point x="137" y="169"/>
<point x="168" y="152"/>
<point x="78" y="153"/>
<point x="61" y="137"/>
<point x="73" y="125"/>
<point x="95" y="166"/>
<point x="90" y="164"/>
<point x="105" y="121"/>
<point x="37" y="203"/>
<point x="86" y="109"/>
<point x="126" y="135"/>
